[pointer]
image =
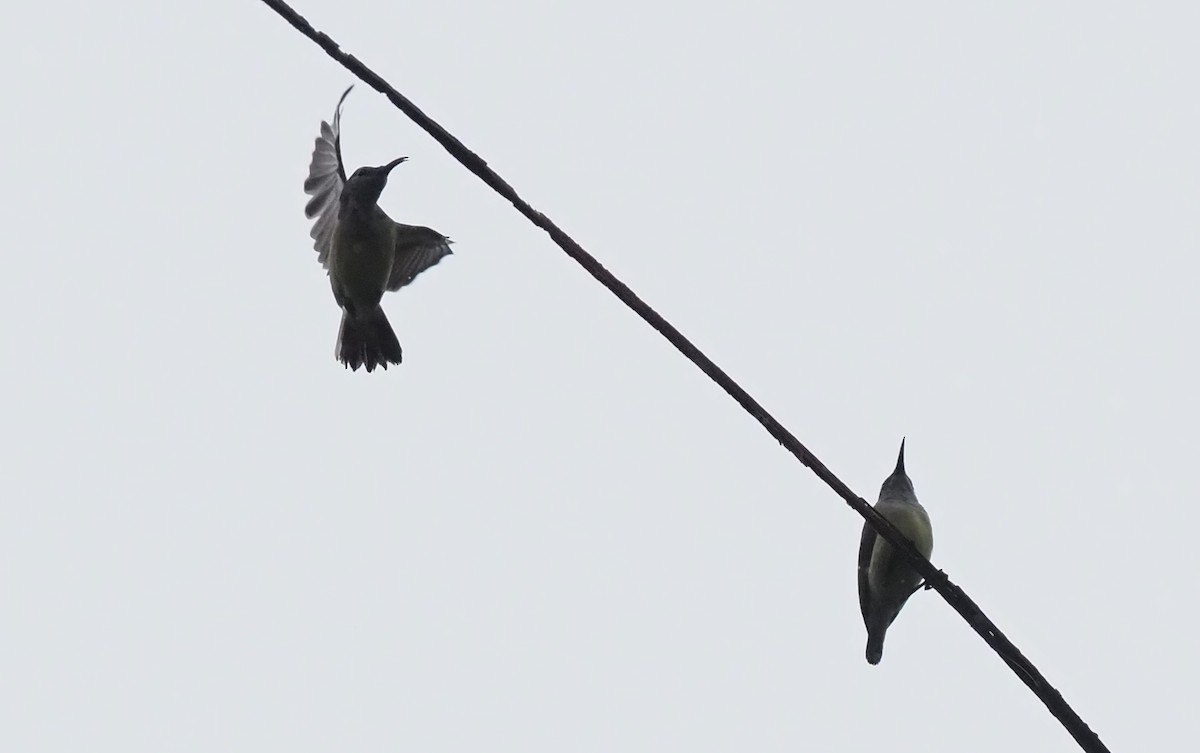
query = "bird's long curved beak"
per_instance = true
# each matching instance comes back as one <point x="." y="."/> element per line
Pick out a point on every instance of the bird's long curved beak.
<point x="900" y="460"/>
<point x="388" y="167"/>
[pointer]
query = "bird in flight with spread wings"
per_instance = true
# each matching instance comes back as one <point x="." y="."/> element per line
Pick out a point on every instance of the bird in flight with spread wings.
<point x="364" y="250"/>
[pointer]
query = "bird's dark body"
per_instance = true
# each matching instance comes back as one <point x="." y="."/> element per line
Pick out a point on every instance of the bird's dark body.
<point x="361" y="261"/>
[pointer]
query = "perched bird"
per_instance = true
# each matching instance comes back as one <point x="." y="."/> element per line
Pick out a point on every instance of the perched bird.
<point x="363" y="249"/>
<point x="885" y="579"/>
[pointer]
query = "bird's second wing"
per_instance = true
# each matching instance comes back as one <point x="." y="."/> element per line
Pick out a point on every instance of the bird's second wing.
<point x="326" y="176"/>
<point x="866" y="548"/>
<point x="417" y="249"/>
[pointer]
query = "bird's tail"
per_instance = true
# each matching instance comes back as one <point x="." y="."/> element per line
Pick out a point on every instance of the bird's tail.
<point x="875" y="645"/>
<point x="367" y="340"/>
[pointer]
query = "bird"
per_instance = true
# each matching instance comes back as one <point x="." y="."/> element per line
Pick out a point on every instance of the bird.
<point x="364" y="251"/>
<point x="885" y="578"/>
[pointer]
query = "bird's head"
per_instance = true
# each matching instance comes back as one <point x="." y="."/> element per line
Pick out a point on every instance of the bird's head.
<point x="367" y="183"/>
<point x="898" y="486"/>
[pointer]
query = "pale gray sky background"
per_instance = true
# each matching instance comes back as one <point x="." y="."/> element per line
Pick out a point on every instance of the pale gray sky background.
<point x="546" y="531"/>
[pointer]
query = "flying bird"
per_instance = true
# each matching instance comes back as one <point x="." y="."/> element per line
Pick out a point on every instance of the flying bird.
<point x="364" y="250"/>
<point x="885" y="579"/>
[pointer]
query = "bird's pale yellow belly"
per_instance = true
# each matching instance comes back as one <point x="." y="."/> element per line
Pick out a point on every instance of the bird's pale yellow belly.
<point x="913" y="522"/>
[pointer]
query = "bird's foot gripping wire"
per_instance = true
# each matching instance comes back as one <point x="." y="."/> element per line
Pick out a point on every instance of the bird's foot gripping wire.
<point x="929" y="586"/>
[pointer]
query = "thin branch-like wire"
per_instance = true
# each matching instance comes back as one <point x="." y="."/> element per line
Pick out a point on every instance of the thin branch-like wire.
<point x="936" y="579"/>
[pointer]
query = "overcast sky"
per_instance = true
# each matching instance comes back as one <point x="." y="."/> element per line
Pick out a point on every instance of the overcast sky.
<point x="546" y="531"/>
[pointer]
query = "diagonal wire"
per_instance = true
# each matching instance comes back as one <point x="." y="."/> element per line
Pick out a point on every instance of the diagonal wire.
<point x="934" y="578"/>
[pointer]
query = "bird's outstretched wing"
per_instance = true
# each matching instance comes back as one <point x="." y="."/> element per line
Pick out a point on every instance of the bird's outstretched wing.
<point x="326" y="176"/>
<point x="417" y="249"/>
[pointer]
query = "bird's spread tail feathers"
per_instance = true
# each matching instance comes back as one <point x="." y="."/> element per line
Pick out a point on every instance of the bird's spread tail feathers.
<point x="367" y="340"/>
